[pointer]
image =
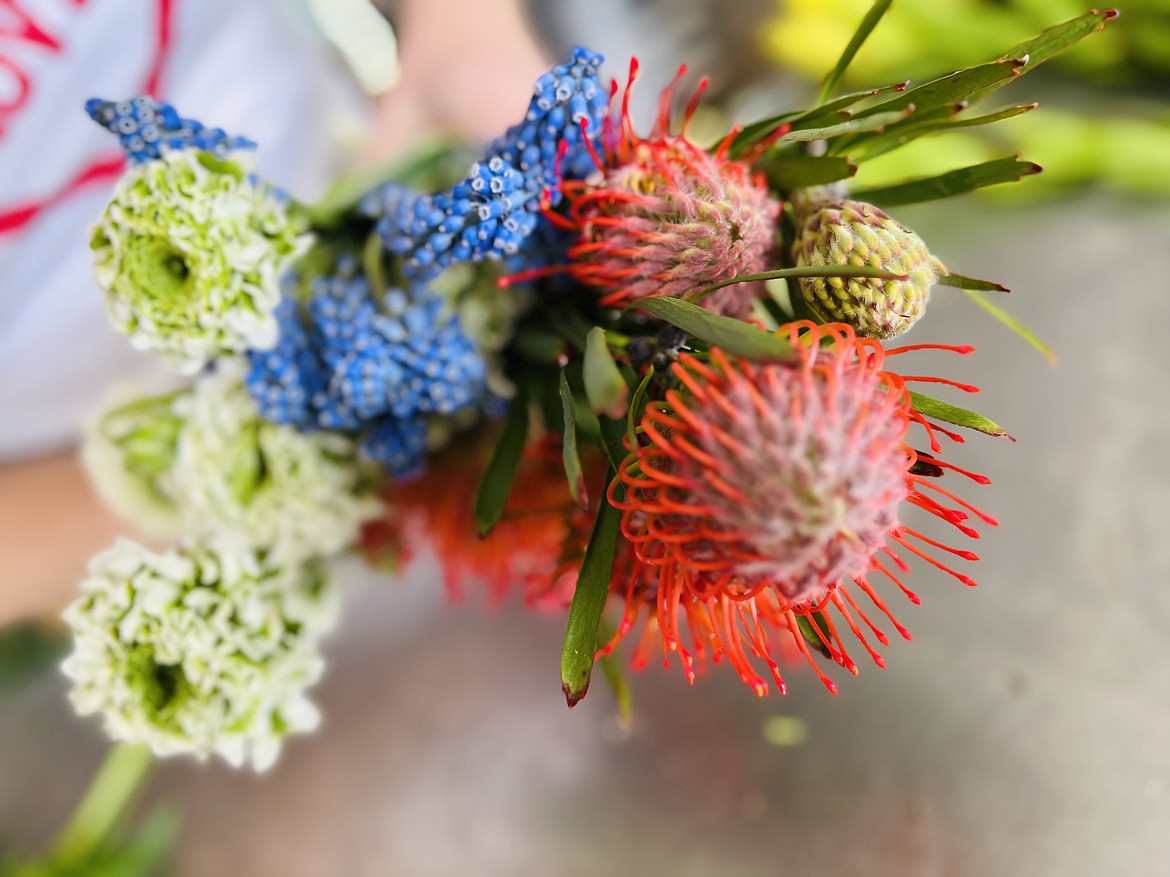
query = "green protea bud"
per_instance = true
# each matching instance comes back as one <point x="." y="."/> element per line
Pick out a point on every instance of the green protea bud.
<point x="838" y="231"/>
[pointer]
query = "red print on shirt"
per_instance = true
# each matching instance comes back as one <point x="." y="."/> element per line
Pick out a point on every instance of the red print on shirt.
<point x="18" y="25"/>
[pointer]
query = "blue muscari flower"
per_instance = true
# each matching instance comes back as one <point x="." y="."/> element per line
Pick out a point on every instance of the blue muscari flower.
<point x="146" y="127"/>
<point x="398" y="445"/>
<point x="346" y="362"/>
<point x="496" y="209"/>
<point x="287" y="381"/>
<point x="562" y="98"/>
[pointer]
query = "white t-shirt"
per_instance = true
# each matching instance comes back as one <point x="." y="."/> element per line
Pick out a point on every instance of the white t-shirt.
<point x="233" y="64"/>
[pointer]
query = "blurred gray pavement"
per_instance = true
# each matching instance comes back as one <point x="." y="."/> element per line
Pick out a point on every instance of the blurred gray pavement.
<point x="1025" y="731"/>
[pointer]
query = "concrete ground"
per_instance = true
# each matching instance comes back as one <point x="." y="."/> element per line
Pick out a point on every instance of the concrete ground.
<point x="1025" y="731"/>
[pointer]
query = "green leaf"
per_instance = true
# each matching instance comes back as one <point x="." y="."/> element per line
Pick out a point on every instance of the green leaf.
<point x="825" y="113"/>
<point x="948" y="413"/>
<point x="612" y="433"/>
<point x="373" y="266"/>
<point x="951" y="88"/>
<point x="611" y="666"/>
<point x="858" y="124"/>
<point x="801" y="171"/>
<point x="1056" y="39"/>
<point x="989" y="173"/>
<point x="1012" y="323"/>
<point x="427" y="168"/>
<point x="734" y="336"/>
<point x="144" y="854"/>
<point x="840" y="108"/>
<point x="538" y="344"/>
<point x="811" y="634"/>
<point x="605" y="388"/>
<point x="637" y="404"/>
<point x="915" y="127"/>
<point x="868" y="23"/>
<point x="25" y="651"/>
<point x="588" y="602"/>
<point x="501" y="469"/>
<point x="958" y="281"/>
<point x="569" y="451"/>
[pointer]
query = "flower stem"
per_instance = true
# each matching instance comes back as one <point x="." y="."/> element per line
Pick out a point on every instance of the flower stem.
<point x="110" y="794"/>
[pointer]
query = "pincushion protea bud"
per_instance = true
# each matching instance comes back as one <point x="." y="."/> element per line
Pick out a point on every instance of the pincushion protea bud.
<point x="839" y="231"/>
<point x="666" y="217"/>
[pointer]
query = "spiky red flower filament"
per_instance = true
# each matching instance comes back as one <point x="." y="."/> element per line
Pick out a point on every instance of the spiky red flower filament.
<point x="759" y="493"/>
<point x="663" y="216"/>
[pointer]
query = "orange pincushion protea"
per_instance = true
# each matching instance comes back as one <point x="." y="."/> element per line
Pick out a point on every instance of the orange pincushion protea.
<point x="760" y="491"/>
<point x="663" y="216"/>
<point x="533" y="550"/>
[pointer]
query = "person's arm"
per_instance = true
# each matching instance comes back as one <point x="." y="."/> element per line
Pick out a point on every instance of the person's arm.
<point x="467" y="70"/>
<point x="51" y="521"/>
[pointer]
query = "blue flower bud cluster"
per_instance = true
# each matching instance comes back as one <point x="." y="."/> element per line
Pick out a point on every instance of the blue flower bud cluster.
<point x="562" y="99"/>
<point x="146" y="127"/>
<point x="349" y="362"/>
<point x="496" y="209"/>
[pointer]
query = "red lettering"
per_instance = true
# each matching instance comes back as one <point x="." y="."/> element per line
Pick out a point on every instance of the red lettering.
<point x="9" y="107"/>
<point x="24" y="28"/>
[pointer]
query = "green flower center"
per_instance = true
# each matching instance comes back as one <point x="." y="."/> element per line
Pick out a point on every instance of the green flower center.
<point x="157" y="270"/>
<point x="163" y="687"/>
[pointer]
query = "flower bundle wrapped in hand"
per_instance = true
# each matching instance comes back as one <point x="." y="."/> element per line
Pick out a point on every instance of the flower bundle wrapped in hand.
<point x="574" y="369"/>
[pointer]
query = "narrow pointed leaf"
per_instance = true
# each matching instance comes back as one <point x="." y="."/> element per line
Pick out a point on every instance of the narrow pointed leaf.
<point x="868" y="23"/>
<point x="613" y="433"/>
<point x="611" y="666"/>
<point x="569" y="453"/>
<point x="858" y="124"/>
<point x="840" y="108"/>
<point x="948" y="413"/>
<point x="951" y="88"/>
<point x="958" y="281"/>
<point x="801" y="171"/>
<point x="1056" y="39"/>
<point x="501" y="469"/>
<point x="605" y="387"/>
<point x="899" y="135"/>
<point x="734" y="336"/>
<point x="1013" y="324"/>
<point x="989" y="173"/>
<point x="588" y="602"/>
<point x="826" y="114"/>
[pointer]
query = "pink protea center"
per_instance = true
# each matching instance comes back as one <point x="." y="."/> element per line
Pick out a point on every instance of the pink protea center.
<point x="780" y="475"/>
<point x="663" y="216"/>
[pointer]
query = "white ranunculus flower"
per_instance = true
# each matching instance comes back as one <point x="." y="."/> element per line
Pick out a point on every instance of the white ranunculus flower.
<point x="266" y="485"/>
<point x="200" y="650"/>
<point x="189" y="253"/>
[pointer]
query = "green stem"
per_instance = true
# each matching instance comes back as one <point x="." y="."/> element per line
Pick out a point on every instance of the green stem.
<point x="109" y="796"/>
<point x="805" y="271"/>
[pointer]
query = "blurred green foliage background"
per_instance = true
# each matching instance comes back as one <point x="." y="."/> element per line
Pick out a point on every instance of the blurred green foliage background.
<point x="1105" y="107"/>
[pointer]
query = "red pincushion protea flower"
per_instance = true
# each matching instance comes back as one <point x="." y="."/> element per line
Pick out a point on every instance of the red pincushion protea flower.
<point x="663" y="216"/>
<point x="534" y="550"/>
<point x="759" y="492"/>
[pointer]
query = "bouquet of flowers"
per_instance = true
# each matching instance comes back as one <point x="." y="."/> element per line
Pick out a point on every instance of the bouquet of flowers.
<point x="651" y="384"/>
